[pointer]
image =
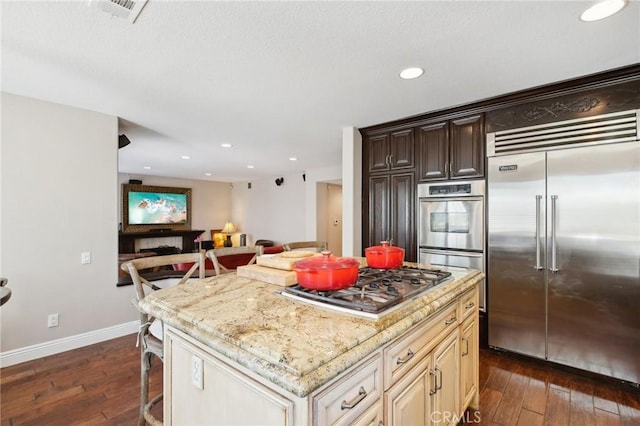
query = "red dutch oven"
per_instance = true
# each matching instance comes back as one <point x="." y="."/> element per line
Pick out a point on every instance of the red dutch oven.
<point x="326" y="272"/>
<point x="384" y="256"/>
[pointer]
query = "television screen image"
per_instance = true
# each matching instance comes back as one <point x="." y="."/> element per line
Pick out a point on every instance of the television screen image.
<point x="146" y="208"/>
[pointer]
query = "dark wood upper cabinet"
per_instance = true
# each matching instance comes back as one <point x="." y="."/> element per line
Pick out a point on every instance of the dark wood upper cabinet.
<point x="391" y="150"/>
<point x="389" y="185"/>
<point x="433" y="151"/>
<point x="467" y="147"/>
<point x="451" y="149"/>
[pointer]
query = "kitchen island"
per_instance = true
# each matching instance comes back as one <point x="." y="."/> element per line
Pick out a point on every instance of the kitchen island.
<point x="238" y="352"/>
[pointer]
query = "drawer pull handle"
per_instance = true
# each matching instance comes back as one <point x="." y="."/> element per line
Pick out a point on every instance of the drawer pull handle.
<point x="435" y="383"/>
<point x="450" y="320"/>
<point x="466" y="351"/>
<point x="406" y="359"/>
<point x="469" y="305"/>
<point x="349" y="405"/>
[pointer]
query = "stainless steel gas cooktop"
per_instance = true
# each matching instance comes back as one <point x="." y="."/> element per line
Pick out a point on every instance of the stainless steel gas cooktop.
<point x="375" y="293"/>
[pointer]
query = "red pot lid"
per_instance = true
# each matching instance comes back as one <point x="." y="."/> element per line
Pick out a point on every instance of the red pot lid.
<point x="325" y="262"/>
<point x="384" y="248"/>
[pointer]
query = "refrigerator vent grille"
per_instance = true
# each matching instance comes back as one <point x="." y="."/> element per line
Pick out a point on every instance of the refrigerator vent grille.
<point x="606" y="128"/>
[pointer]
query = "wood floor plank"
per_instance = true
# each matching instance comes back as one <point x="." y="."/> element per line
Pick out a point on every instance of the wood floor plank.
<point x="530" y="418"/>
<point x="582" y="411"/>
<point x="606" y="418"/>
<point x="558" y="407"/>
<point x="512" y="398"/>
<point x="489" y="401"/>
<point x="629" y="405"/>
<point x="535" y="396"/>
<point x="605" y="398"/>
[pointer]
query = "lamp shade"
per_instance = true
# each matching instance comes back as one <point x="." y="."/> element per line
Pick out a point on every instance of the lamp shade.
<point x="228" y="228"/>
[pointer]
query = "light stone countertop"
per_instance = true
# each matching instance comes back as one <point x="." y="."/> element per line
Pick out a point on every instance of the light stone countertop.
<point x="293" y="344"/>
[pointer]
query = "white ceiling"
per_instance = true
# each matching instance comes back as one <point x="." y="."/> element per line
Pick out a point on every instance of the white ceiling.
<point x="281" y="79"/>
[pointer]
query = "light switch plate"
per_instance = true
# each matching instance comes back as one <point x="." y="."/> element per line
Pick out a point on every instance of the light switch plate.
<point x="85" y="257"/>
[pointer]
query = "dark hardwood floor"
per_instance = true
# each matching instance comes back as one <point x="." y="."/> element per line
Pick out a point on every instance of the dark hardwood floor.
<point x="99" y="384"/>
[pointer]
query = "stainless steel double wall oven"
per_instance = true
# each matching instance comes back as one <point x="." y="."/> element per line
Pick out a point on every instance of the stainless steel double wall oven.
<point x="451" y="225"/>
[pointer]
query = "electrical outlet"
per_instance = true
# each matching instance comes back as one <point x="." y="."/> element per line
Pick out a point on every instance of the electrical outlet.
<point x="52" y="321"/>
<point x="85" y="257"/>
<point x="197" y="372"/>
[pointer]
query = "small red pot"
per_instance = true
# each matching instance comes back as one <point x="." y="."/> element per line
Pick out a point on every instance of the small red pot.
<point x="384" y="256"/>
<point x="326" y="272"/>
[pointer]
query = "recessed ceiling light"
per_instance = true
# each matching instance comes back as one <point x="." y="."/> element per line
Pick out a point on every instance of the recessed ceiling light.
<point x="602" y="10"/>
<point x="147" y="167"/>
<point x="207" y="174"/>
<point x="186" y="157"/>
<point x="293" y="158"/>
<point x="225" y="145"/>
<point x="249" y="167"/>
<point x="410" y="73"/>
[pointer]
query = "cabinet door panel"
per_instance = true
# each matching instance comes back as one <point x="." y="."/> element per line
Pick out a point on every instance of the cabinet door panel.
<point x="378" y="209"/>
<point x="469" y="361"/>
<point x="467" y="147"/>
<point x="446" y="367"/>
<point x="401" y="149"/>
<point x="433" y="141"/>
<point x="378" y="151"/>
<point x="409" y="401"/>
<point x="402" y="202"/>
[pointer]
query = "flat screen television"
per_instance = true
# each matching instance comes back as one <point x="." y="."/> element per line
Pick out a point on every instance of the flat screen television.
<point x="155" y="208"/>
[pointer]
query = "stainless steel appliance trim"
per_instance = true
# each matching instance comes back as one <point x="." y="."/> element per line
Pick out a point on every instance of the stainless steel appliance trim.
<point x="601" y="129"/>
<point x="477" y="188"/>
<point x="476" y="260"/>
<point x="554" y="241"/>
<point x="538" y="245"/>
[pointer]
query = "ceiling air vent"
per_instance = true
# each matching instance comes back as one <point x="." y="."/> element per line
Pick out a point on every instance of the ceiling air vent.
<point x="124" y="9"/>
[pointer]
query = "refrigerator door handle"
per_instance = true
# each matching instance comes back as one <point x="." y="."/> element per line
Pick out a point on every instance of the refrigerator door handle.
<point x="554" y="254"/>
<point x="538" y="265"/>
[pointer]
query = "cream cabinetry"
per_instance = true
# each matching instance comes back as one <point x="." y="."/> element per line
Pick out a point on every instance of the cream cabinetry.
<point x="428" y="375"/>
<point x="347" y="399"/>
<point x="226" y="396"/>
<point x="429" y="390"/>
<point x="469" y="351"/>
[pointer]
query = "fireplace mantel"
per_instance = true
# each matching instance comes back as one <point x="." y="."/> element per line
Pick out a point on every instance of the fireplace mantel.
<point x="127" y="240"/>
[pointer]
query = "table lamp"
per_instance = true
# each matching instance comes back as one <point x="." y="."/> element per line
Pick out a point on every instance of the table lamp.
<point x="228" y="229"/>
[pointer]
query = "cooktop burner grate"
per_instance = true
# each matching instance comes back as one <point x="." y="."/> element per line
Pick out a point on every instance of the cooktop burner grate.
<point x="376" y="289"/>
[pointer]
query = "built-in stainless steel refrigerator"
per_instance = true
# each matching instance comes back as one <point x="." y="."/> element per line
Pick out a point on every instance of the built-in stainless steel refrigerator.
<point x="564" y="245"/>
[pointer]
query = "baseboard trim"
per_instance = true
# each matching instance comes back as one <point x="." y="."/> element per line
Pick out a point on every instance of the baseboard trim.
<point x="16" y="356"/>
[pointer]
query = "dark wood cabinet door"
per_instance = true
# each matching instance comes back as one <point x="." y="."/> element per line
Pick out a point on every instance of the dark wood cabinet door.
<point x="433" y="151"/>
<point x="377" y="148"/>
<point x="402" y="212"/>
<point x="401" y="149"/>
<point x="467" y="147"/>
<point x="378" y="210"/>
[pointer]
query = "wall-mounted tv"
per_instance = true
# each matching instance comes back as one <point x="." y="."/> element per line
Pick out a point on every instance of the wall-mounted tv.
<point x="154" y="208"/>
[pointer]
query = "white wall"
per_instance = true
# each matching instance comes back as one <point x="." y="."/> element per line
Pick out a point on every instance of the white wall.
<point x="59" y="198"/>
<point x="279" y="213"/>
<point x="210" y="204"/>
<point x="352" y="192"/>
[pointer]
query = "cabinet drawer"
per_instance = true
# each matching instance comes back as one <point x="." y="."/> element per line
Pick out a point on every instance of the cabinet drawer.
<point x="351" y="395"/>
<point x="468" y="304"/>
<point x="402" y="355"/>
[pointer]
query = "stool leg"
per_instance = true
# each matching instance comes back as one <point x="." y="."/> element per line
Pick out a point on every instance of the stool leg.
<point x="145" y="365"/>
